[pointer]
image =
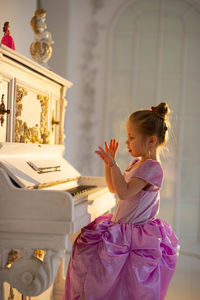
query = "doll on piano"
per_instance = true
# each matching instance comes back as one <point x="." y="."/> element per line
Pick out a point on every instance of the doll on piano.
<point x="7" y="39"/>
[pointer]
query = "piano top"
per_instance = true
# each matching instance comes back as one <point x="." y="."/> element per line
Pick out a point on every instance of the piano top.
<point x="12" y="55"/>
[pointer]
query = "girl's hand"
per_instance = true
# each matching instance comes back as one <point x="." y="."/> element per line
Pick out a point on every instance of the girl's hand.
<point x="108" y="155"/>
<point x="112" y="148"/>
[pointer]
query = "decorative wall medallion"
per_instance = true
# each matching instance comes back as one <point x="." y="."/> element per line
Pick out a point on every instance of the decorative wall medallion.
<point x="24" y="133"/>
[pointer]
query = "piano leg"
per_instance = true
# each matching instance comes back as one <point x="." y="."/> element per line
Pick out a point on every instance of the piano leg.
<point x="59" y="284"/>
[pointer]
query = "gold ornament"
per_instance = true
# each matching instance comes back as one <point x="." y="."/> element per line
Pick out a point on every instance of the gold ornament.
<point x="26" y="134"/>
<point x="41" y="49"/>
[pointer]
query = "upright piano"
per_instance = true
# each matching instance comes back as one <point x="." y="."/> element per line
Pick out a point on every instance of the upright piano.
<point x="44" y="200"/>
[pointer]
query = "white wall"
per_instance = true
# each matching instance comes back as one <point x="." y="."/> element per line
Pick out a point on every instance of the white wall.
<point x="57" y="21"/>
<point x="84" y="36"/>
<point x="19" y="14"/>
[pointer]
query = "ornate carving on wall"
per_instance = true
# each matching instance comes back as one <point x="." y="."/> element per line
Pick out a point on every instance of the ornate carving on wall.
<point x="89" y="71"/>
<point x="35" y="134"/>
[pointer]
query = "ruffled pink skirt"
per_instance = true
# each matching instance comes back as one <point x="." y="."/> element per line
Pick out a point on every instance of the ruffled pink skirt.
<point x="115" y="261"/>
<point x="8" y="41"/>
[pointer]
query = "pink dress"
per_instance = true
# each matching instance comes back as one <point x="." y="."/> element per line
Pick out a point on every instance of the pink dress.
<point x="7" y="40"/>
<point x="130" y="255"/>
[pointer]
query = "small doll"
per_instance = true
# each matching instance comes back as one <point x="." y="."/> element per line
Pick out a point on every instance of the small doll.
<point x="7" y="39"/>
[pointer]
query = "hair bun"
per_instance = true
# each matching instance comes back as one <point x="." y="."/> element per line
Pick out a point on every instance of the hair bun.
<point x="161" y="110"/>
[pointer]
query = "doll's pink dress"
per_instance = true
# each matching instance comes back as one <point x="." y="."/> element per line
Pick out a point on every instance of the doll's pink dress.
<point x="130" y="255"/>
<point x="7" y="40"/>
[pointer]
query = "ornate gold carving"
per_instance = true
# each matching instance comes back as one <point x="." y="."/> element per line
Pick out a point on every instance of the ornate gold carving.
<point x="21" y="134"/>
<point x="12" y="256"/>
<point x="41" y="49"/>
<point x="26" y="134"/>
<point x="40" y="254"/>
<point x="3" y="110"/>
<point x="45" y="134"/>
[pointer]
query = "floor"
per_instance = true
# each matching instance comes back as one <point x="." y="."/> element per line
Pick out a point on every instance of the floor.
<point x="185" y="284"/>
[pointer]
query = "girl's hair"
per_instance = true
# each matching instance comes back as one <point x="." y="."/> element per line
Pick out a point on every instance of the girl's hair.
<point x="153" y="121"/>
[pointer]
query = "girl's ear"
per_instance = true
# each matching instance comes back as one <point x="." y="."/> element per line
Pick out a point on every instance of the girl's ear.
<point x="153" y="140"/>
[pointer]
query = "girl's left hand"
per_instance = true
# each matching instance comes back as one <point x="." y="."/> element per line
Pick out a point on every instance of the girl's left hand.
<point x="112" y="148"/>
<point x="106" y="157"/>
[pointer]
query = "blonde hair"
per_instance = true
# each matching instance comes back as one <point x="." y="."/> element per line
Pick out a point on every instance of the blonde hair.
<point x="153" y="121"/>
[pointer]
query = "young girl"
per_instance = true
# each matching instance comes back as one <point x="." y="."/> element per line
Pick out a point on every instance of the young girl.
<point x="130" y="255"/>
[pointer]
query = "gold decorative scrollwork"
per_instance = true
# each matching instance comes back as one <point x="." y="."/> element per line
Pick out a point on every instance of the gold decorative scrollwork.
<point x="40" y="254"/>
<point x="26" y="134"/>
<point x="3" y="110"/>
<point x="12" y="256"/>
<point x="45" y="134"/>
<point x="21" y="129"/>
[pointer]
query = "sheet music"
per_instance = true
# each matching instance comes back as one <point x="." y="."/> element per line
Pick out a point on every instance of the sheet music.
<point x="44" y="167"/>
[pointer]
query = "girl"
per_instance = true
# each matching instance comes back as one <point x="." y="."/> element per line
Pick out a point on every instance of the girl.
<point x="130" y="255"/>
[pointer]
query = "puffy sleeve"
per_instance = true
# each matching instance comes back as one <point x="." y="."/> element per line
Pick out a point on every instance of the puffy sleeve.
<point x="151" y="171"/>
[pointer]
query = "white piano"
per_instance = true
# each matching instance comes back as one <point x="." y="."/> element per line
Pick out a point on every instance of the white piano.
<point x="44" y="200"/>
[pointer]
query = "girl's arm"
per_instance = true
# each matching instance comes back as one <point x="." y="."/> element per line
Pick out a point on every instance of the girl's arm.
<point x="123" y="189"/>
<point x="109" y="179"/>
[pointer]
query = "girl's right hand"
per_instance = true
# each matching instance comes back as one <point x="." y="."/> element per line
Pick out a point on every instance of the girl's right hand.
<point x="112" y="148"/>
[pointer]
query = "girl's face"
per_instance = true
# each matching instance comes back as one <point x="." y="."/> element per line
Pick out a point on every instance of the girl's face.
<point x="136" y="142"/>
